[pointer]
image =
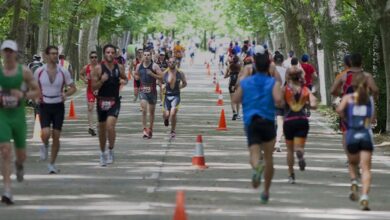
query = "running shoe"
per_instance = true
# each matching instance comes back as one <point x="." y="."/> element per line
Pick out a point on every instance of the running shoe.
<point x="301" y="161"/>
<point x="291" y="178"/>
<point x="234" y="117"/>
<point x="6" y="198"/>
<point x="173" y="134"/>
<point x="278" y="149"/>
<point x="52" y="169"/>
<point x="110" y="156"/>
<point x="19" y="172"/>
<point x="150" y="133"/>
<point x="238" y="116"/>
<point x="103" y="161"/>
<point x="145" y="134"/>
<point x="354" y="194"/>
<point x="166" y="122"/>
<point x="264" y="198"/>
<point x="256" y="176"/>
<point x="364" y="203"/>
<point x="135" y="98"/>
<point x="43" y="152"/>
<point x="91" y="132"/>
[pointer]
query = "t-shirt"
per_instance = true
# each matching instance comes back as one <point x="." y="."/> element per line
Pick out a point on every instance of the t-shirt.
<point x="282" y="72"/>
<point x="178" y="51"/>
<point x="309" y="70"/>
<point x="52" y="92"/>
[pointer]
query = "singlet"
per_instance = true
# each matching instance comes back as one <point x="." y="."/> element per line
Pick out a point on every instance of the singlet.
<point x="257" y="97"/>
<point x="282" y="72"/>
<point x="9" y="105"/>
<point x="163" y="65"/>
<point x="347" y="82"/>
<point x="52" y="91"/>
<point x="89" y="77"/>
<point x="176" y="90"/>
<point x="110" y="88"/>
<point x="147" y="82"/>
<point x="296" y="103"/>
<point x="358" y="116"/>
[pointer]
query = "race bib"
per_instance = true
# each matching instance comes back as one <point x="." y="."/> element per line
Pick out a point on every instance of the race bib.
<point x="359" y="110"/>
<point x="9" y="101"/>
<point x="106" y="105"/>
<point x="146" y="89"/>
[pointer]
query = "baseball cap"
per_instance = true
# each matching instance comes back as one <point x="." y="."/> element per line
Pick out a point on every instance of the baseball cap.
<point x="305" y="58"/>
<point x="162" y="53"/>
<point x="9" y="44"/>
<point x="259" y="49"/>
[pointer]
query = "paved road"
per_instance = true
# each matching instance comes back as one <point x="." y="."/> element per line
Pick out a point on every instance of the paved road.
<point x="146" y="175"/>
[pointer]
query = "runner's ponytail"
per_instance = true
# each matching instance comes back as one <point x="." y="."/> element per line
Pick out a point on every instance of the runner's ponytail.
<point x="359" y="84"/>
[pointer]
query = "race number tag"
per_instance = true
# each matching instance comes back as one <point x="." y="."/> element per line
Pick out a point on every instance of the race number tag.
<point x="146" y="89"/>
<point x="9" y="101"/>
<point x="359" y="110"/>
<point x="106" y="105"/>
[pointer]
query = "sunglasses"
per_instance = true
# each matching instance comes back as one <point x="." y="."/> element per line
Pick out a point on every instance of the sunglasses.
<point x="93" y="57"/>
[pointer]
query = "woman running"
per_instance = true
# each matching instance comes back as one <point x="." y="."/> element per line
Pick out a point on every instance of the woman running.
<point x="259" y="93"/>
<point x="232" y="72"/>
<point x="357" y="109"/>
<point x="298" y="100"/>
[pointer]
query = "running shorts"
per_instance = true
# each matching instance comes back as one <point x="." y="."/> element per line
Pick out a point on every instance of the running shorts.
<point x="359" y="140"/>
<point x="171" y="101"/>
<point x="150" y="97"/>
<point x="295" y="128"/>
<point x="232" y="83"/>
<point x="260" y="130"/>
<point x="90" y="96"/>
<point x="52" y="115"/>
<point x="13" y="126"/>
<point x="104" y="112"/>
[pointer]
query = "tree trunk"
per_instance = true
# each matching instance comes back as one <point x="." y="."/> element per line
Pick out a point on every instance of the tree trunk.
<point x="292" y="23"/>
<point x="71" y="29"/>
<point x="83" y="42"/>
<point x="385" y="35"/>
<point x="44" y="27"/>
<point x="93" y="34"/>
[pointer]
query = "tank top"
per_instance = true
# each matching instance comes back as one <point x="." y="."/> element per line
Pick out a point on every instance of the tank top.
<point x="89" y="77"/>
<point x="176" y="90"/>
<point x="148" y="83"/>
<point x="257" y="97"/>
<point x="8" y="102"/>
<point x="358" y="116"/>
<point x="296" y="103"/>
<point x="110" y="88"/>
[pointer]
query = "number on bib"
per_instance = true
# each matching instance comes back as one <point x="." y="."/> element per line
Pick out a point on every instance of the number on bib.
<point x="359" y="110"/>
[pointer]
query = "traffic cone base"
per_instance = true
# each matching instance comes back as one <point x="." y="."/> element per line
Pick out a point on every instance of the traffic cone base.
<point x="199" y="162"/>
<point x="72" y="113"/>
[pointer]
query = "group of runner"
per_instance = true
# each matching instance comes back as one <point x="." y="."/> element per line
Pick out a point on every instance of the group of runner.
<point x="258" y="81"/>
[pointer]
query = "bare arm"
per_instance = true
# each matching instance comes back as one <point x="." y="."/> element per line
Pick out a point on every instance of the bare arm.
<point x="97" y="78"/>
<point x="157" y="74"/>
<point x="372" y="85"/>
<point x="33" y="91"/>
<point x="136" y="72"/>
<point x="237" y="95"/>
<point x="184" y="80"/>
<point x="313" y="101"/>
<point x="227" y="73"/>
<point x="343" y="104"/>
<point x="277" y="95"/>
<point x="83" y="74"/>
<point x="71" y="90"/>
<point x="335" y="89"/>
<point x="122" y="75"/>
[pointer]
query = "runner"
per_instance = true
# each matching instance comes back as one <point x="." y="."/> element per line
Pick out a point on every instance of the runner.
<point x="309" y="70"/>
<point x="221" y="55"/>
<point x="65" y="64"/>
<point x="178" y="52"/>
<point x="191" y="51"/>
<point x="85" y="75"/>
<point x="175" y="80"/>
<point x="259" y="93"/>
<point x="358" y="110"/>
<point x="52" y="79"/>
<point x="163" y="64"/>
<point x="278" y="60"/>
<point x="106" y="79"/>
<point x="232" y="72"/>
<point x="296" y="125"/>
<point x="137" y="83"/>
<point x="35" y="64"/>
<point x="287" y="62"/>
<point x="16" y="84"/>
<point x="148" y="72"/>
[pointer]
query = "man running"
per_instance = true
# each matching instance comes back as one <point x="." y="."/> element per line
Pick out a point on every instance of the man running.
<point x="137" y="82"/>
<point x="163" y="64"/>
<point x="86" y="76"/>
<point x="148" y="73"/>
<point x="178" y="53"/>
<point x="310" y="72"/>
<point x="52" y="79"/>
<point x="16" y="84"/>
<point x="174" y="81"/>
<point x="106" y="79"/>
<point x="278" y="60"/>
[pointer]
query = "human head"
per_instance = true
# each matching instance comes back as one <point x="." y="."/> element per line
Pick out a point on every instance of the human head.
<point x="93" y="57"/>
<point x="235" y="59"/>
<point x="278" y="58"/>
<point x="61" y="57"/>
<point x="9" y="51"/>
<point x="261" y="59"/>
<point x="347" y="60"/>
<point x="161" y="55"/>
<point x="109" y="52"/>
<point x="295" y="74"/>
<point x="291" y="53"/>
<point x="356" y="60"/>
<point x="294" y="61"/>
<point x="305" y="58"/>
<point x="147" y="55"/>
<point x="172" y="63"/>
<point x="52" y="54"/>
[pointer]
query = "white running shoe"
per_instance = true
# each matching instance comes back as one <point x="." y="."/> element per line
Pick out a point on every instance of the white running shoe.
<point x="43" y="152"/>
<point x="52" y="169"/>
<point x="110" y="156"/>
<point x="103" y="161"/>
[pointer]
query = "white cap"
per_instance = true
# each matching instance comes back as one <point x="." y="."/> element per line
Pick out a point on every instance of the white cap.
<point x="259" y="49"/>
<point x="9" y="44"/>
<point x="162" y="53"/>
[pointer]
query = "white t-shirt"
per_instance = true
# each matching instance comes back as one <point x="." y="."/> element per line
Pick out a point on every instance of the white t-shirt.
<point x="52" y="92"/>
<point x="282" y="72"/>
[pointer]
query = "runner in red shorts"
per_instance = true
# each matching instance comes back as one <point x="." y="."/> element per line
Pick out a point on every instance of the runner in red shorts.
<point x="137" y="61"/>
<point x="85" y="75"/>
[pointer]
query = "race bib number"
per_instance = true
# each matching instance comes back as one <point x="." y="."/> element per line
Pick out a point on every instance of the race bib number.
<point x="106" y="105"/>
<point x="9" y="101"/>
<point x="146" y="89"/>
<point x="359" y="111"/>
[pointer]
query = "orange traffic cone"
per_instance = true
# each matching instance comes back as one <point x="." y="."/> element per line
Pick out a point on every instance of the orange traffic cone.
<point x="217" y="88"/>
<point x="198" y="158"/>
<point x="37" y="129"/>
<point x="180" y="211"/>
<point x="222" y="122"/>
<point x="220" y="99"/>
<point x="72" y="113"/>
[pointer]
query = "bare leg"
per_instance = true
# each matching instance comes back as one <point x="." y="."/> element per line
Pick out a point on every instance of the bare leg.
<point x="90" y="114"/>
<point x="353" y="161"/>
<point x="144" y="105"/>
<point x="6" y="168"/>
<point x="279" y="131"/>
<point x="173" y="119"/>
<point x="254" y="155"/>
<point x="268" y="149"/>
<point x="290" y="156"/>
<point x="234" y="109"/>
<point x="20" y="156"/>
<point x="365" y="164"/>
<point x="45" y="135"/>
<point x="110" y="126"/>
<point x="102" y="136"/>
<point x="55" y="148"/>
<point x="152" y="109"/>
